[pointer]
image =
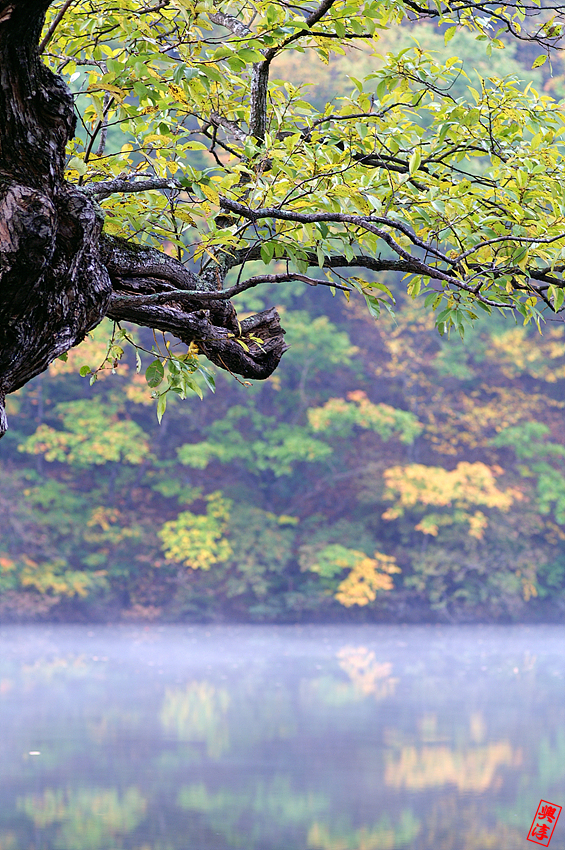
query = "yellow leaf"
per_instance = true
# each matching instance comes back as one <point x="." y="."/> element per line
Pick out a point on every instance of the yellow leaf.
<point x="210" y="193"/>
<point x="115" y="90"/>
<point x="184" y="216"/>
<point x="541" y="60"/>
<point x="178" y="94"/>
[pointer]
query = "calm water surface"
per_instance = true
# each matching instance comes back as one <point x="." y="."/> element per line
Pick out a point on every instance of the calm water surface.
<point x="279" y="738"/>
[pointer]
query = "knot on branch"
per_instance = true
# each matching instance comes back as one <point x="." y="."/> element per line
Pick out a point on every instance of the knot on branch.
<point x="256" y="352"/>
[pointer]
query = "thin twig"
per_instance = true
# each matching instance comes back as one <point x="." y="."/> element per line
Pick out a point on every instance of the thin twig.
<point x="54" y="24"/>
<point x="180" y="295"/>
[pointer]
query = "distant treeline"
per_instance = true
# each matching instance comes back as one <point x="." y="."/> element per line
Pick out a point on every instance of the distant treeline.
<point x="383" y="473"/>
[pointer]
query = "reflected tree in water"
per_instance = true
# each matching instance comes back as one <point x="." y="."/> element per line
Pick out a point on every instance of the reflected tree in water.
<point x="87" y="818"/>
<point x="198" y="714"/>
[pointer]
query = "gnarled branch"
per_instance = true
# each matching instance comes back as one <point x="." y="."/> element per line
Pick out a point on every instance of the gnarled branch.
<point x="59" y="276"/>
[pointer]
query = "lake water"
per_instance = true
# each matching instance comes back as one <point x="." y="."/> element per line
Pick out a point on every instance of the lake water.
<point x="279" y="738"/>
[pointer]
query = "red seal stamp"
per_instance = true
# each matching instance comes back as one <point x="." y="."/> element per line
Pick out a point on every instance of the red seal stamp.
<point x="544" y="823"/>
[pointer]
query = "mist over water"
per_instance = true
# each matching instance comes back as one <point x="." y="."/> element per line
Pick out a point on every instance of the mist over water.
<point x="279" y="738"/>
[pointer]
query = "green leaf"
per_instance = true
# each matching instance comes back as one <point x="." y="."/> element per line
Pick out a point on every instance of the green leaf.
<point x="374" y="305"/>
<point x="209" y="379"/>
<point x="382" y="288"/>
<point x="267" y="252"/>
<point x="154" y="373"/>
<point x="249" y="55"/>
<point x="449" y="33"/>
<point x="161" y="406"/>
<point x="541" y="60"/>
<point x="414" y="161"/>
<point x="443" y="316"/>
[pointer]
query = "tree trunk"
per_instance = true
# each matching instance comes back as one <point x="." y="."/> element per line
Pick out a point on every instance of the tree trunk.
<point x="59" y="276"/>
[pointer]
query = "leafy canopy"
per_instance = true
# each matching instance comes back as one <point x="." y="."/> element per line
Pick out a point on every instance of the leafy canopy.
<point x="190" y="137"/>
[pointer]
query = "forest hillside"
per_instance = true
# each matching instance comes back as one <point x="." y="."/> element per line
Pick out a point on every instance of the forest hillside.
<point x="384" y="472"/>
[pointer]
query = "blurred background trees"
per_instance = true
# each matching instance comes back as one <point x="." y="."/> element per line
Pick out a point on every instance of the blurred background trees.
<point x="383" y="472"/>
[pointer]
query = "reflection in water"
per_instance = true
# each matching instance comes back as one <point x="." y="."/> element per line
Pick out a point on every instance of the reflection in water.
<point x="366" y="673"/>
<point x="198" y="713"/>
<point x="264" y="738"/>
<point x="383" y="836"/>
<point x="252" y="812"/>
<point x="471" y="830"/>
<point x="86" y="819"/>
<point x="470" y="770"/>
<point x="477" y="727"/>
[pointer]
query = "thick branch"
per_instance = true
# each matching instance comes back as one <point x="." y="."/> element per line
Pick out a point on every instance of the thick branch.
<point x="319" y="13"/>
<point x="127" y="185"/>
<point x="155" y="290"/>
<point x="253" y="358"/>
<point x="231" y="23"/>
<point x="407" y="263"/>
<point x="367" y="222"/>
<point x="259" y="84"/>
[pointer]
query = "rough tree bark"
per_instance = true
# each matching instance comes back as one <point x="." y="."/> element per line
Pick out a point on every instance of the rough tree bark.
<point x="59" y="275"/>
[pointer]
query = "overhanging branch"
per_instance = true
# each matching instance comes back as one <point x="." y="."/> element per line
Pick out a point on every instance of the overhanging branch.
<point x="126" y="185"/>
<point x="155" y="290"/>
